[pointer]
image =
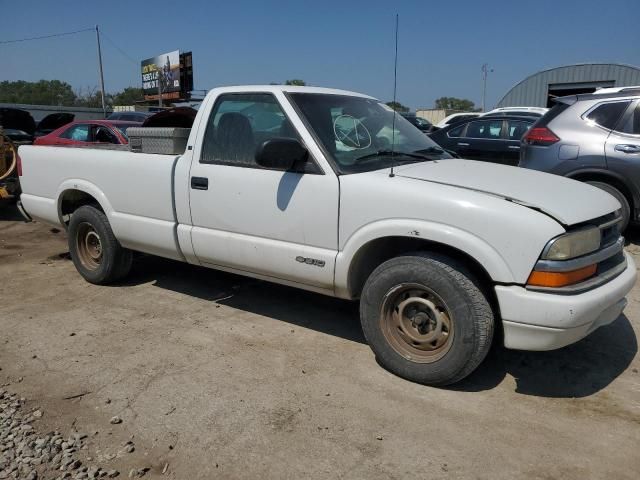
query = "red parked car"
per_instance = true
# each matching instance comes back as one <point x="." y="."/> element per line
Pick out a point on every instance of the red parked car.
<point x="88" y="132"/>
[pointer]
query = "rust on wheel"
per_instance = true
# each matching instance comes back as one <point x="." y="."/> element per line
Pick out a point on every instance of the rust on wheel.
<point x="89" y="246"/>
<point x="416" y="323"/>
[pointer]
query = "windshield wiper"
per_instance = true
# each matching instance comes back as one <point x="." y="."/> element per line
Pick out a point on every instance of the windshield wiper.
<point x="427" y="150"/>
<point x="387" y="153"/>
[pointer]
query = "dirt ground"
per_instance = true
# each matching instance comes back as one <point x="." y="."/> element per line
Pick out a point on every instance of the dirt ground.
<point x="219" y="376"/>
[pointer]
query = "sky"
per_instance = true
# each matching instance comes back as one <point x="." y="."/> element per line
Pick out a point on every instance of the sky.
<point x="339" y="44"/>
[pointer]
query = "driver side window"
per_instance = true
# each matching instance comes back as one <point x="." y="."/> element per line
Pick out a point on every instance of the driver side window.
<point x="239" y="124"/>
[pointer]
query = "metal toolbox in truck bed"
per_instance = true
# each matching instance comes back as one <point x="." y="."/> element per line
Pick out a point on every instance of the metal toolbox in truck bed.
<point x="163" y="140"/>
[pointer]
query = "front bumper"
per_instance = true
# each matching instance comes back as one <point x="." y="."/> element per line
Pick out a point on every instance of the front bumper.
<point x="546" y="321"/>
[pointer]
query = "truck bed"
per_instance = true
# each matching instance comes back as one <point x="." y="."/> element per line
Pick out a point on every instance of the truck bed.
<point x="134" y="189"/>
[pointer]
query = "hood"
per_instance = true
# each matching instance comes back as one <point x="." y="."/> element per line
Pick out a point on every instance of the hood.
<point x="16" y="119"/>
<point x="54" y="121"/>
<point x="566" y="200"/>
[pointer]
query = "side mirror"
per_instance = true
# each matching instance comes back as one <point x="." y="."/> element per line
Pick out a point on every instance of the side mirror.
<point x="281" y="154"/>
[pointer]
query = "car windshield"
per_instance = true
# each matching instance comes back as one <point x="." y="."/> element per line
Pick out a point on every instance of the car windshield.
<point x="358" y="132"/>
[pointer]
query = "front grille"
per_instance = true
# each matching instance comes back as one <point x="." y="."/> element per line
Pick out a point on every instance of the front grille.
<point x="609" y="228"/>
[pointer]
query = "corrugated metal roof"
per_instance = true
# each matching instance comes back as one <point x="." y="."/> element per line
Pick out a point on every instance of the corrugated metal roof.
<point x="532" y="91"/>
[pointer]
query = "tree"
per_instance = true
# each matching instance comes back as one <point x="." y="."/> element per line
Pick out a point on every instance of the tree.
<point x="90" y="98"/>
<point x="398" y="107"/>
<point x="129" y="96"/>
<point x="453" y="103"/>
<point x="296" y="81"/>
<point x="43" y="92"/>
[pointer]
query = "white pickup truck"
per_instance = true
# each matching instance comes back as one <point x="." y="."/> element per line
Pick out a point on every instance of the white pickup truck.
<point x="330" y="191"/>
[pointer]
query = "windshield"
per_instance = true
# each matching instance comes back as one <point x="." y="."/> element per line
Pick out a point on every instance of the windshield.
<point x="358" y="132"/>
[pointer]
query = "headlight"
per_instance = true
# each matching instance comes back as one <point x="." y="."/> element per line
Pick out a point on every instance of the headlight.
<point x="573" y="244"/>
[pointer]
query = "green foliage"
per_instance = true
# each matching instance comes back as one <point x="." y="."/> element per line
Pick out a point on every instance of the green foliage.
<point x="398" y="107"/>
<point x="90" y="98"/>
<point x="43" y="92"/>
<point x="296" y="81"/>
<point x="55" y="92"/>
<point x="453" y="103"/>
<point x="129" y="96"/>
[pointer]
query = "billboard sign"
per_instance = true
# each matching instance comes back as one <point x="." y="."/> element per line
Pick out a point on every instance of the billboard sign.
<point x="162" y="74"/>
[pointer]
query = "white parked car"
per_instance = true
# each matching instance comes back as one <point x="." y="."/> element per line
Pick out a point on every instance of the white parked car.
<point x="297" y="185"/>
<point x="525" y="111"/>
<point x="456" y="118"/>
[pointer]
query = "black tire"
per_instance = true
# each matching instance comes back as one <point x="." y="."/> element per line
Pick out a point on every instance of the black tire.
<point x="618" y="195"/>
<point x="95" y="251"/>
<point x="448" y="286"/>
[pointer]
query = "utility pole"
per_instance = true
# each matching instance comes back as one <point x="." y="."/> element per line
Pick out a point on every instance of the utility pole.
<point x="485" y="72"/>
<point x="104" y="107"/>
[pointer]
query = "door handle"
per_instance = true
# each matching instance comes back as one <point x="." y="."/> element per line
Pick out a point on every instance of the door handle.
<point x="514" y="147"/>
<point x="462" y="144"/>
<point x="626" y="148"/>
<point x="200" y="183"/>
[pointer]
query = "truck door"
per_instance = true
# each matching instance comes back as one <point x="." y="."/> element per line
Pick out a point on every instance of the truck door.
<point x="274" y="223"/>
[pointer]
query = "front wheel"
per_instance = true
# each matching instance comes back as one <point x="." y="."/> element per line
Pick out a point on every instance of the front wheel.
<point x="425" y="318"/>
<point x="95" y="251"/>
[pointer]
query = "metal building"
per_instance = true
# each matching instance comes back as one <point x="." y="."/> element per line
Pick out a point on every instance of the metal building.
<point x="539" y="89"/>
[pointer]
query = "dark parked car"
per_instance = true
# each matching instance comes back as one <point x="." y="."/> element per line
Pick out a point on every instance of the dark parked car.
<point x="130" y="116"/>
<point x="52" y="122"/>
<point x="18" y="137"/>
<point x="420" y="123"/>
<point x="594" y="138"/>
<point x="180" y="117"/>
<point x="494" y="139"/>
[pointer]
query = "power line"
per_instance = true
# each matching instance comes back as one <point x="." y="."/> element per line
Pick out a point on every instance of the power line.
<point x="119" y="49"/>
<point x="2" y="42"/>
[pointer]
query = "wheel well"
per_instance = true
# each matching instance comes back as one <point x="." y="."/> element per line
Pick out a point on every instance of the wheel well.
<point x="614" y="182"/>
<point x="377" y="251"/>
<point x="71" y="200"/>
<point x="380" y="250"/>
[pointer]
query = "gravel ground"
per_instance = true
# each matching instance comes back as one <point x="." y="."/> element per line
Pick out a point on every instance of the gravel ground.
<point x="182" y="372"/>
<point x="25" y="453"/>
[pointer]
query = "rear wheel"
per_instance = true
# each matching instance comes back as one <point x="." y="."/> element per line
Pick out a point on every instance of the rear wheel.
<point x="95" y="251"/>
<point x="618" y="195"/>
<point x="425" y="318"/>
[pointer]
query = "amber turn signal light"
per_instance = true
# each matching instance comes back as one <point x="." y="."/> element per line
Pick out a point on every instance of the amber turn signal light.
<point x="560" y="279"/>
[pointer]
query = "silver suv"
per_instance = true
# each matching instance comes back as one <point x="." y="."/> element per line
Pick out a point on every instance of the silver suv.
<point x="594" y="138"/>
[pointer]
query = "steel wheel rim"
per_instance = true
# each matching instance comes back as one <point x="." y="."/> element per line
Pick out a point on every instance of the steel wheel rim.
<point x="89" y="246"/>
<point x="417" y="323"/>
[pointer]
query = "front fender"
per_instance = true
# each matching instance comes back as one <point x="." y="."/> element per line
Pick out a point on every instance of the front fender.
<point x="480" y="250"/>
